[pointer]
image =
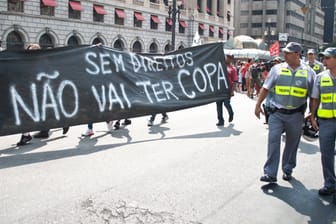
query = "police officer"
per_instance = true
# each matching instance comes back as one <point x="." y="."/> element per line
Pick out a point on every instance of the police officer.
<point x="292" y="81"/>
<point x="324" y="106"/>
<point x="313" y="63"/>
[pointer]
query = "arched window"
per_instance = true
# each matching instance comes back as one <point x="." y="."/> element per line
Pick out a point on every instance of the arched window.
<point x="97" y="40"/>
<point x="46" y="41"/>
<point x="118" y="44"/>
<point x="181" y="47"/>
<point x="14" y="41"/>
<point x="73" y="41"/>
<point x="153" y="48"/>
<point x="167" y="48"/>
<point x="137" y="48"/>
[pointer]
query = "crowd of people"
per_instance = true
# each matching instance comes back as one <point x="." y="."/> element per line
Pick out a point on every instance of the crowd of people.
<point x="281" y="87"/>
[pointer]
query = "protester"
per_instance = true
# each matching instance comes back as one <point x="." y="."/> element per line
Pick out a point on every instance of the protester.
<point x="255" y="77"/>
<point x="117" y="124"/>
<point x="26" y="137"/>
<point x="232" y="76"/>
<point x="288" y="110"/>
<point x="248" y="77"/>
<point x="313" y="63"/>
<point x="266" y="106"/>
<point x="152" y="118"/>
<point x="324" y="107"/>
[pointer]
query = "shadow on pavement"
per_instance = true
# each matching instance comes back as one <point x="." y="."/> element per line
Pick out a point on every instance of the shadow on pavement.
<point x="304" y="201"/>
<point x="88" y="145"/>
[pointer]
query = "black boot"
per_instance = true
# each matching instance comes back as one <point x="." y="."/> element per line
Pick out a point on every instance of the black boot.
<point x="42" y="134"/>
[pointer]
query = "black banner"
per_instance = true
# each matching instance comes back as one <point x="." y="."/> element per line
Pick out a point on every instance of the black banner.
<point x="76" y="85"/>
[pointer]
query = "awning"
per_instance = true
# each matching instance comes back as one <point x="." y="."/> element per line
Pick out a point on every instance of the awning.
<point x="155" y="19"/>
<point x="221" y="30"/>
<point x="76" y="6"/>
<point x="99" y="9"/>
<point x="120" y="13"/>
<point x="212" y="28"/>
<point x="183" y="23"/>
<point x="139" y="16"/>
<point x="169" y="21"/>
<point x="201" y="26"/>
<point x="51" y="3"/>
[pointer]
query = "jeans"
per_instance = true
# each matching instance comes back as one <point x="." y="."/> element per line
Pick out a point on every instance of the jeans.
<point x="227" y="104"/>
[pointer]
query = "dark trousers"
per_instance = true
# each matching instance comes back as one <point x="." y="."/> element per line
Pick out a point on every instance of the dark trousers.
<point x="152" y="118"/>
<point x="227" y="104"/>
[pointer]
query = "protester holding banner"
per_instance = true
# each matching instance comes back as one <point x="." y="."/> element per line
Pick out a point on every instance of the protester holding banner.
<point x="26" y="137"/>
<point x="232" y="76"/>
<point x="83" y="84"/>
<point x="292" y="82"/>
<point x="152" y="118"/>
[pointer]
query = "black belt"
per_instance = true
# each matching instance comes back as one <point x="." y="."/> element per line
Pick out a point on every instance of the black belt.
<point x="292" y="111"/>
<point x="327" y="119"/>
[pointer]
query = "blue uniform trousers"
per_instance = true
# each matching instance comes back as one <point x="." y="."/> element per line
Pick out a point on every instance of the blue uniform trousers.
<point x="292" y="125"/>
<point x="327" y="137"/>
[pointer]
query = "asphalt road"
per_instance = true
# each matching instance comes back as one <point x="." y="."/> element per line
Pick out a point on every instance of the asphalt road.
<point x="185" y="171"/>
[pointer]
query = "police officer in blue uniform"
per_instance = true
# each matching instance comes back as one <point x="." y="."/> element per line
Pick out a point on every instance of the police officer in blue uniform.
<point x="292" y="81"/>
<point x="313" y="63"/>
<point x="324" y="107"/>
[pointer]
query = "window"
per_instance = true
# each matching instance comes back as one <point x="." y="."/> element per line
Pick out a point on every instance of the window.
<point x="182" y="26"/>
<point x="119" y="44"/>
<point x="257" y="12"/>
<point x="201" y="29"/>
<point x="271" y="12"/>
<point x="14" y="41"/>
<point x="256" y="25"/>
<point x="211" y="31"/>
<point x="15" y="5"/>
<point x="75" y="9"/>
<point x="47" y="7"/>
<point x="228" y="16"/>
<point x="46" y="41"/>
<point x="153" y="48"/>
<point x="98" y="13"/>
<point x="154" y="22"/>
<point x="73" y="41"/>
<point x="244" y="25"/>
<point x="137" y="48"/>
<point x="119" y="16"/>
<point x="209" y="7"/>
<point x="221" y="32"/>
<point x="98" y="40"/>
<point x="199" y="5"/>
<point x="138" y="18"/>
<point x="169" y="23"/>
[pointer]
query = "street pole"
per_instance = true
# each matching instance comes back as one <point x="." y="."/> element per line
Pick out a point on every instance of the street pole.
<point x="173" y="11"/>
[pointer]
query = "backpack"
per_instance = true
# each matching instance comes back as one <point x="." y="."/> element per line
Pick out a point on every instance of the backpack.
<point x="254" y="71"/>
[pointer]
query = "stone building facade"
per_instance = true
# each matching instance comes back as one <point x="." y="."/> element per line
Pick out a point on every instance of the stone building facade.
<point x="134" y="25"/>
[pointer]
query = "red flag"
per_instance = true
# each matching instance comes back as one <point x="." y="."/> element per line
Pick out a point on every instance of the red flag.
<point x="275" y="49"/>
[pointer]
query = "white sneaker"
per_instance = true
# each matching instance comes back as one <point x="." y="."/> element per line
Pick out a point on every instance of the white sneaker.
<point x="150" y="123"/>
<point x="109" y="126"/>
<point x="88" y="132"/>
